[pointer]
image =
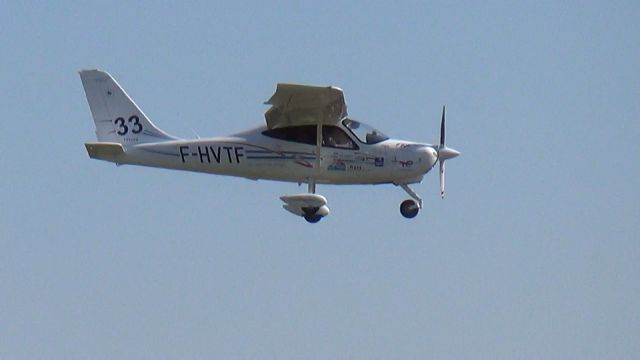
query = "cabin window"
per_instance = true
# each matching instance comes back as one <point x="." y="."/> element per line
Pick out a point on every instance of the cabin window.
<point x="332" y="136"/>
<point x="305" y="134"/>
<point x="365" y="133"/>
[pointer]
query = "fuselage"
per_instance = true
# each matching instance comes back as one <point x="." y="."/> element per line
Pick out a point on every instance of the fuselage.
<point x="259" y="154"/>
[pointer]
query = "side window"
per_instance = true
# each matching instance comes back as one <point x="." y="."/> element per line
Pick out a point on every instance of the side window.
<point x="305" y="134"/>
<point x="364" y="132"/>
<point x="333" y="136"/>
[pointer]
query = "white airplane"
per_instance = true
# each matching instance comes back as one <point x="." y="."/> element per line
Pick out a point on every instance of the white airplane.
<point x="308" y="138"/>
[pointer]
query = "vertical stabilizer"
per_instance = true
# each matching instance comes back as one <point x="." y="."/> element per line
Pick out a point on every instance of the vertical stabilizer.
<point x="117" y="118"/>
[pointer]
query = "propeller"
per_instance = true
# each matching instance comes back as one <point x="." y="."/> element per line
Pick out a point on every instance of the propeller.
<point x="444" y="152"/>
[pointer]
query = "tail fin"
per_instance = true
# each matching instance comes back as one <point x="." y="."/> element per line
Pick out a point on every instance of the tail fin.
<point x="118" y="119"/>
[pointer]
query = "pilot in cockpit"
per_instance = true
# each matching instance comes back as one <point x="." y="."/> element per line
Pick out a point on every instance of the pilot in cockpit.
<point x="333" y="136"/>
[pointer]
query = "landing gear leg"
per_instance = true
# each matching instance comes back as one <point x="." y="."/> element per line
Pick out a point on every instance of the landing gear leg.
<point x="410" y="208"/>
<point x="311" y="186"/>
<point x="412" y="193"/>
<point x="310" y="213"/>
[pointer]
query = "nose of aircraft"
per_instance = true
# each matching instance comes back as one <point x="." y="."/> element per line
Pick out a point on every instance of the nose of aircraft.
<point x="448" y="153"/>
<point x="430" y="156"/>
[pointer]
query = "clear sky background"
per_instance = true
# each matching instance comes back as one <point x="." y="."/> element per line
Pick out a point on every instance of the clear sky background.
<point x="533" y="254"/>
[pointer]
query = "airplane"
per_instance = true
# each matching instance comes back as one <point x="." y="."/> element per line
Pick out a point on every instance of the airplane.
<point x="308" y="138"/>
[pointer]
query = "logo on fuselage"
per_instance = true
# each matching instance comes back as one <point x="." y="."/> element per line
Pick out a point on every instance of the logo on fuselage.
<point x="406" y="164"/>
<point x="337" y="165"/>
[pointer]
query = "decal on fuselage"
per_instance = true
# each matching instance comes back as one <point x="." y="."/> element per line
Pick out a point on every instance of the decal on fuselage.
<point x="212" y="154"/>
<point x="337" y="165"/>
<point x="406" y="163"/>
<point x="304" y="163"/>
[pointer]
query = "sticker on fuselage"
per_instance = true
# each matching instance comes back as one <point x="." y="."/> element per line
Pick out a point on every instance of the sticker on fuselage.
<point x="337" y="165"/>
<point x="212" y="154"/>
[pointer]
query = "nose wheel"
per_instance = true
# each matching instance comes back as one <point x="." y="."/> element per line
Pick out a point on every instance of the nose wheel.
<point x="409" y="209"/>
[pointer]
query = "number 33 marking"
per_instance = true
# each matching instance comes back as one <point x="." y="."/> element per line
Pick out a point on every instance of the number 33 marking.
<point x="123" y="129"/>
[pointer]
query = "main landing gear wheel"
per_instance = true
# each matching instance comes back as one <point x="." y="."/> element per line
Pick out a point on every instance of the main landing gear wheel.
<point x="313" y="218"/>
<point x="409" y="209"/>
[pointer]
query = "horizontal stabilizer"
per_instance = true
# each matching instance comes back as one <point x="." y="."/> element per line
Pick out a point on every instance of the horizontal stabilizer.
<point x="105" y="151"/>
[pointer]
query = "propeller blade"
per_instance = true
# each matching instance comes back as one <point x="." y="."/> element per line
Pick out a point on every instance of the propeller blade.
<point x="442" y="178"/>
<point x="442" y="128"/>
<point x="444" y="152"/>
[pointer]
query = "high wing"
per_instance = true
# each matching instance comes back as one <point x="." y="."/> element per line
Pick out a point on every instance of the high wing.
<point x="294" y="105"/>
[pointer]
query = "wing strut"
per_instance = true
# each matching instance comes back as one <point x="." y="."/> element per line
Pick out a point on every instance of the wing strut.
<point x="312" y="180"/>
<point x="318" y="146"/>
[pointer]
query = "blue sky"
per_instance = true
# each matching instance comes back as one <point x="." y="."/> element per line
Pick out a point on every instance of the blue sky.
<point x="533" y="254"/>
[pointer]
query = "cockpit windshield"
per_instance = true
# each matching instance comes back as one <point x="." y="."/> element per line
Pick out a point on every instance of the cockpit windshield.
<point x="364" y="132"/>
